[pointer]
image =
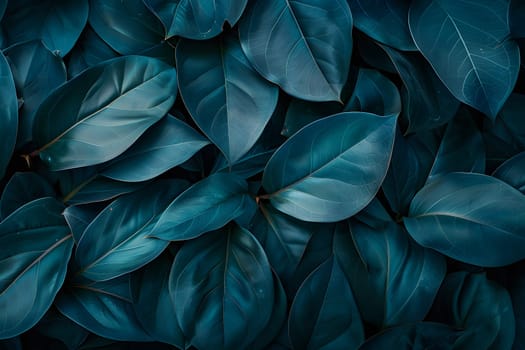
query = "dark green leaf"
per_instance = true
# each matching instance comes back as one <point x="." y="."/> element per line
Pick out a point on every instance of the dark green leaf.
<point x="35" y="246"/>
<point x="229" y="101"/>
<point x="8" y="114"/>
<point x="385" y="21"/>
<point x="104" y="308"/>
<point x="119" y="239"/>
<point x="482" y="308"/>
<point x="324" y="314"/>
<point x="58" y="23"/>
<point x="332" y="168"/>
<point x="152" y="302"/>
<point x="470" y="217"/>
<point x="196" y="19"/>
<point x="374" y="93"/>
<point x="128" y="26"/>
<point x="467" y="43"/>
<point x="165" y="145"/>
<point x="513" y="172"/>
<point x="224" y="286"/>
<point x="102" y="111"/>
<point x="36" y="72"/>
<point x="303" y="46"/>
<point x="23" y="188"/>
<point x="207" y="205"/>
<point x="423" y="335"/>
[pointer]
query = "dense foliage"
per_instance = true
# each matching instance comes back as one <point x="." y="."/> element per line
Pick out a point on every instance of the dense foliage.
<point x="262" y="174"/>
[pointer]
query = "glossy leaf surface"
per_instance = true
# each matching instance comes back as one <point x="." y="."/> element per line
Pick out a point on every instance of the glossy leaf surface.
<point x="196" y="19"/>
<point x="8" y="114"/>
<point x="119" y="239"/>
<point x="467" y="43"/>
<point x="302" y="46"/>
<point x="103" y="111"/>
<point x="36" y="72"/>
<point x="229" y="101"/>
<point x="57" y="23"/>
<point x="332" y="168"/>
<point x="207" y="205"/>
<point x="224" y="287"/>
<point x="324" y="314"/>
<point x="78" y="218"/>
<point x="168" y="143"/>
<point x="470" y="217"/>
<point x="35" y="248"/>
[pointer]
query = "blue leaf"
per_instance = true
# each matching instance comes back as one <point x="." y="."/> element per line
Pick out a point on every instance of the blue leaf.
<point x="128" y="26"/>
<point x="119" y="240"/>
<point x="303" y="46"/>
<point x="8" y="114"/>
<point x="98" y="114"/>
<point x="467" y="43"/>
<point x="470" y="217"/>
<point x="35" y="249"/>
<point x="301" y="113"/>
<point x="168" y="143"/>
<point x="332" y="168"/>
<point x="385" y="21"/>
<point x="57" y="23"/>
<point x="513" y="172"/>
<point x="78" y="218"/>
<point x="36" y="72"/>
<point x="207" y="205"/>
<point x="224" y="287"/>
<point x="196" y="19"/>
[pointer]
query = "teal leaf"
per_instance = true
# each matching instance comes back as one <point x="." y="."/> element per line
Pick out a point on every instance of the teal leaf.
<point x="89" y="51"/>
<point x="516" y="288"/>
<point x="468" y="45"/>
<point x="480" y="307"/>
<point x="394" y="279"/>
<point x="252" y="163"/>
<point x="301" y="113"/>
<point x="168" y="143"/>
<point x="100" y="189"/>
<point x="35" y="249"/>
<point x="206" y="206"/>
<point x="303" y="46"/>
<point x="324" y="314"/>
<point x="57" y="326"/>
<point x="152" y="302"/>
<point x="224" y="287"/>
<point x="516" y="18"/>
<point x="196" y="19"/>
<point x="23" y="188"/>
<point x="36" y="72"/>
<point x="470" y="217"/>
<point x="421" y="335"/>
<point x="8" y="114"/>
<point x="103" y="308"/>
<point x="332" y="168"/>
<point x="374" y="93"/>
<point x="461" y="149"/>
<point x="98" y="114"/>
<point x="513" y="172"/>
<point x="228" y="100"/>
<point x="3" y="6"/>
<point x="119" y="240"/>
<point x="129" y="27"/>
<point x="385" y="21"/>
<point x="57" y="23"/>
<point x="78" y="218"/>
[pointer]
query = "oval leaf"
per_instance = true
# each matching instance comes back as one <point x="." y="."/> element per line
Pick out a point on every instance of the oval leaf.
<point x="118" y="240"/>
<point x="35" y="249"/>
<point x="332" y="168"/>
<point x="79" y="217"/>
<point x="207" y="205"/>
<point x="224" y="286"/>
<point x="467" y="43"/>
<point x="303" y="46"/>
<point x="36" y="72"/>
<point x="57" y="23"/>
<point x="98" y="114"/>
<point x="165" y="145"/>
<point x="8" y="114"/>
<point x="470" y="217"/>
<point x="228" y="100"/>
<point x="323" y="314"/>
<point x="196" y="19"/>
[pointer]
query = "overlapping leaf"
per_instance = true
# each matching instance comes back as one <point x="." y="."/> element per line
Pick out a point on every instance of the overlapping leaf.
<point x="8" y="114"/>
